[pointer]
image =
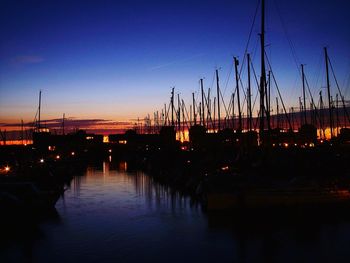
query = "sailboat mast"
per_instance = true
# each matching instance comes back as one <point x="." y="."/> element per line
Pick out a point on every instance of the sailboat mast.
<point x="329" y="94"/>
<point x="249" y="95"/>
<point x="218" y="96"/>
<point x="263" y="72"/>
<point x="202" y="91"/>
<point x="22" y="132"/>
<point x="179" y="113"/>
<point x="39" y="109"/>
<point x="238" y="97"/>
<point x="304" y="98"/>
<point x="172" y="107"/>
<point x="277" y="114"/>
<point x="194" y="109"/>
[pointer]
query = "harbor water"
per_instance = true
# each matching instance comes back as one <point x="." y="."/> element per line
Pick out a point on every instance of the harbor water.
<point x="114" y="214"/>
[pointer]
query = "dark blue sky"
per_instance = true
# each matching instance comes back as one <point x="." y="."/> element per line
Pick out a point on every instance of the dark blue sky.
<point x="118" y="59"/>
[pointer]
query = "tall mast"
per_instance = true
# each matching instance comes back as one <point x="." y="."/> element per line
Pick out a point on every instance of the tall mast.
<point x="214" y="107"/>
<point x="277" y="114"/>
<point x="321" y="114"/>
<point x="39" y="109"/>
<point x="183" y="118"/>
<point x="208" y="107"/>
<point x="329" y="94"/>
<point x="249" y="95"/>
<point x="233" y="110"/>
<point x="304" y="98"/>
<point x="22" y="132"/>
<point x="194" y="109"/>
<point x="200" y="113"/>
<point x="202" y="91"/>
<point x="267" y="99"/>
<point x="218" y="96"/>
<point x="172" y="107"/>
<point x="263" y="73"/>
<point x="337" y="113"/>
<point x="301" y="110"/>
<point x="238" y="97"/>
<point x="179" y="113"/>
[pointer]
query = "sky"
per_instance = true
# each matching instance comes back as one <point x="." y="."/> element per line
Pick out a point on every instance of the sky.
<point x="116" y="61"/>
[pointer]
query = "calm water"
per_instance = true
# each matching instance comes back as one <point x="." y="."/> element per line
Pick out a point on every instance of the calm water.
<point x="113" y="215"/>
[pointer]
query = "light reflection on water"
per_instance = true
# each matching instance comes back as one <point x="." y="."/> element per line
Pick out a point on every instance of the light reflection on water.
<point x="112" y="214"/>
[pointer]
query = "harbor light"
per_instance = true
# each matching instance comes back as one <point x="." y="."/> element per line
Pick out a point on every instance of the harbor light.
<point x="110" y="150"/>
<point x="58" y="157"/>
<point x="7" y="168"/>
<point x="105" y="139"/>
<point x="72" y="153"/>
<point x="42" y="160"/>
<point x="225" y="168"/>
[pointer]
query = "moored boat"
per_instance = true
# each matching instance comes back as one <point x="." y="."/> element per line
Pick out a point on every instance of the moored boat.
<point x="27" y="195"/>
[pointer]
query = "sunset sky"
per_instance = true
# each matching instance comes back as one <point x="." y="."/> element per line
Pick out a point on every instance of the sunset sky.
<point x="117" y="60"/>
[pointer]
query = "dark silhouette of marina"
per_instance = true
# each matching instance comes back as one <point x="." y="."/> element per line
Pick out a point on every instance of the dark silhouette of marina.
<point x="282" y="164"/>
<point x="223" y="153"/>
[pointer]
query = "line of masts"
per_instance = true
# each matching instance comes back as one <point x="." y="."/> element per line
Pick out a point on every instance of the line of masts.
<point x="209" y="110"/>
<point x="214" y="121"/>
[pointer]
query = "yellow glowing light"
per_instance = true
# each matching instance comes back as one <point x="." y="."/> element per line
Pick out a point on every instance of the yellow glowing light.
<point x="106" y="139"/>
<point x="110" y="150"/>
<point x="58" y="157"/>
<point x="72" y="153"/>
<point x="311" y="145"/>
<point x="123" y="142"/>
<point x="285" y="144"/>
<point x="89" y="137"/>
<point x="7" y="168"/>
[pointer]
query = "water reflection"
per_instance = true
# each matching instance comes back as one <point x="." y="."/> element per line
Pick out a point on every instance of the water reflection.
<point x="114" y="213"/>
<point x="117" y="179"/>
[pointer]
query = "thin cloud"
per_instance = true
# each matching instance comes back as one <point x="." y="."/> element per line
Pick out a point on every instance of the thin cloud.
<point x="24" y="60"/>
<point x="71" y="123"/>
<point x="175" y="62"/>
